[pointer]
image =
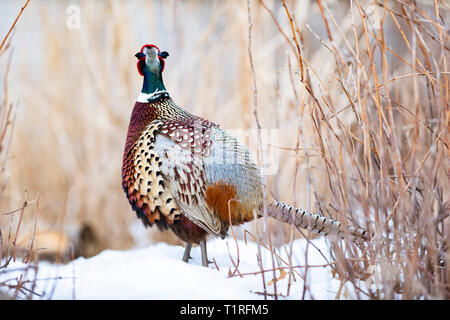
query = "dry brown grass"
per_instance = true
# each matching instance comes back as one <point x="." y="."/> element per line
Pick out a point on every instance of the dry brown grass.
<point x="358" y="90"/>
<point x="381" y="121"/>
<point x="10" y="245"/>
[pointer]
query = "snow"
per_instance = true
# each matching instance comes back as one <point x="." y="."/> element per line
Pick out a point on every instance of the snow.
<point x="157" y="272"/>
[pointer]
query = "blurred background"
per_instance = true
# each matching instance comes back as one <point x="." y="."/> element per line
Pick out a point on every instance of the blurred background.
<point x="70" y="75"/>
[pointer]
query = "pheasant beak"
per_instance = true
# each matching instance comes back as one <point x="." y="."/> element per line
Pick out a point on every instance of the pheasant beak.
<point x="151" y="53"/>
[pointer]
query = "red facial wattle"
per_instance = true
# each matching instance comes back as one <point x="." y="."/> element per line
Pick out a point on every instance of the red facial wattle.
<point x="161" y="60"/>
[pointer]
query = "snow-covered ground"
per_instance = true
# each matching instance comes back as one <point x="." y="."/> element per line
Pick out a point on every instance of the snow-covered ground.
<point x="157" y="272"/>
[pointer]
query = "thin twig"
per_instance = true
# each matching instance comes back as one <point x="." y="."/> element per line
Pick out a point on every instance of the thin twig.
<point x="13" y="25"/>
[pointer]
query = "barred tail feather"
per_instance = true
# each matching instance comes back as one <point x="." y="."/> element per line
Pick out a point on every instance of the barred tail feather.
<point x="314" y="222"/>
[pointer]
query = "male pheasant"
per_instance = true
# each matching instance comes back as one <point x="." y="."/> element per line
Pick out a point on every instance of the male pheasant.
<point x="183" y="172"/>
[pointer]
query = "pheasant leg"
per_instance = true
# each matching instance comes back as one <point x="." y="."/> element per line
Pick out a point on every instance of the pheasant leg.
<point x="205" y="260"/>
<point x="187" y="252"/>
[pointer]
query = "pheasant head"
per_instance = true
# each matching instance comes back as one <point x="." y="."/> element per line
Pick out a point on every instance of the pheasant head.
<point x="150" y="65"/>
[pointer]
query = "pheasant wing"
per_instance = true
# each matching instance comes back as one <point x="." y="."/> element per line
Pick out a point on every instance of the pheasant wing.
<point x="182" y="147"/>
<point x="143" y="182"/>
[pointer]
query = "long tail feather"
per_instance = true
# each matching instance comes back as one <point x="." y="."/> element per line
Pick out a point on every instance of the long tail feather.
<point x="314" y="222"/>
